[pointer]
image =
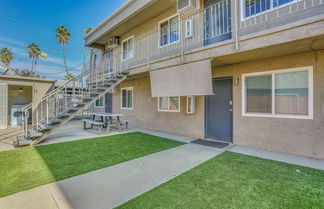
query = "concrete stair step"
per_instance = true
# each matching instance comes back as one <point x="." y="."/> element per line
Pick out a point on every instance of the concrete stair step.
<point x="34" y="133"/>
<point x="23" y="141"/>
<point x="54" y="120"/>
<point x="63" y="114"/>
<point x="125" y="72"/>
<point x="45" y="127"/>
<point x="72" y="109"/>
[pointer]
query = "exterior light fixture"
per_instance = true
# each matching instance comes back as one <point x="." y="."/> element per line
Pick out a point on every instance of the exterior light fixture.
<point x="236" y="81"/>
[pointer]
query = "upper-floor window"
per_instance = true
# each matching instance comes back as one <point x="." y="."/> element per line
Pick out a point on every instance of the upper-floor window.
<point x="284" y="93"/>
<point x="128" y="48"/>
<point x="169" y="31"/>
<point x="254" y="7"/>
<point x="109" y="61"/>
<point x="96" y="58"/>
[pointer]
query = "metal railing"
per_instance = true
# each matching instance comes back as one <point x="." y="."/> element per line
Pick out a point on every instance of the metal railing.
<point x="67" y="96"/>
<point x="255" y="12"/>
<point x="208" y="26"/>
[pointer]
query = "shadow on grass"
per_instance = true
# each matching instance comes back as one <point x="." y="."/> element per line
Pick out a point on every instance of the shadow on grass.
<point x="31" y="167"/>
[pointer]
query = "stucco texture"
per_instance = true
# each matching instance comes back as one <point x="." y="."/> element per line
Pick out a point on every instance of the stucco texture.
<point x="294" y="136"/>
<point x="145" y="112"/>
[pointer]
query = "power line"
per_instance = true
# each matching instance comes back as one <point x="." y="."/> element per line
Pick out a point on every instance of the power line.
<point x="27" y="26"/>
<point x="70" y="69"/>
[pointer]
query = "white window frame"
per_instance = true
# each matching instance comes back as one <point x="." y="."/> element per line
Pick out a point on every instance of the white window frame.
<point x="121" y="98"/>
<point x="122" y="48"/>
<point x="310" y="115"/>
<point x="261" y="13"/>
<point x="193" y="105"/>
<point x="103" y="103"/>
<point x="168" y="110"/>
<point x="189" y="31"/>
<point x="159" y="31"/>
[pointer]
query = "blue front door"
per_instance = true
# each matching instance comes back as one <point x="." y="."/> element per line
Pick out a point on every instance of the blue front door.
<point x="219" y="111"/>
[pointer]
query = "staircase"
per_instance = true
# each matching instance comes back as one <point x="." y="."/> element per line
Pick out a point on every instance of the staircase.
<point x="62" y="104"/>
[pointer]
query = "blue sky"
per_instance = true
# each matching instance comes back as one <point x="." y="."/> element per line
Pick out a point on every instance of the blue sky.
<point x="23" y="22"/>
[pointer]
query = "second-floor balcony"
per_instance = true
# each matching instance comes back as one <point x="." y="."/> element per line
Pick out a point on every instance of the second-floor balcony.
<point x="219" y="22"/>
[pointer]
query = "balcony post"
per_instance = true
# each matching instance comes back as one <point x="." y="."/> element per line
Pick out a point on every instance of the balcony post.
<point x="235" y="11"/>
<point x="148" y="50"/>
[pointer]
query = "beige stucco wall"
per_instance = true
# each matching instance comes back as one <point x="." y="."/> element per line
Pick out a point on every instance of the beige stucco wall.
<point x="40" y="88"/>
<point x="33" y="90"/>
<point x="295" y="136"/>
<point x="145" y="113"/>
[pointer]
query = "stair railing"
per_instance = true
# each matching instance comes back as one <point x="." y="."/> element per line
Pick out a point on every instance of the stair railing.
<point x="39" y="114"/>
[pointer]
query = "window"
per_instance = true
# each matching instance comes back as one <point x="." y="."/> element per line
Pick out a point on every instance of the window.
<point x="254" y="7"/>
<point x="191" y="104"/>
<point x="189" y="28"/>
<point x="109" y="61"/>
<point x="169" y="104"/>
<point x="127" y="98"/>
<point x="100" y="102"/>
<point x="128" y="48"/>
<point x="169" y="31"/>
<point x="217" y="19"/>
<point x="96" y="59"/>
<point x="285" y="93"/>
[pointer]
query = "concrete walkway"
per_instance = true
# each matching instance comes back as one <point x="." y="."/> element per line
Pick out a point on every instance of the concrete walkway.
<point x="112" y="186"/>
<point x="277" y="156"/>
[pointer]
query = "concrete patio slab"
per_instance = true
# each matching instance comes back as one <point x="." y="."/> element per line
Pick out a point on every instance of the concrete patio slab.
<point x="283" y="157"/>
<point x="112" y="186"/>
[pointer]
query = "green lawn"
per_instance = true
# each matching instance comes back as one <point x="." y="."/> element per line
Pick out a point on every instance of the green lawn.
<point x="30" y="167"/>
<point x="238" y="181"/>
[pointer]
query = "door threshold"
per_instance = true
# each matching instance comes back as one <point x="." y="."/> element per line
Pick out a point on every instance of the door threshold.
<point x="217" y="140"/>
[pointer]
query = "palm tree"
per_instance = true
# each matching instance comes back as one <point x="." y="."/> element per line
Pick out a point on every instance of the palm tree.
<point x="6" y="57"/>
<point x="69" y="76"/>
<point x="34" y="52"/>
<point x="63" y="36"/>
<point x="88" y="30"/>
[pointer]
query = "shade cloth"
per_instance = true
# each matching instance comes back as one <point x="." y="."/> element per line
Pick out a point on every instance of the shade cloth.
<point x="192" y="79"/>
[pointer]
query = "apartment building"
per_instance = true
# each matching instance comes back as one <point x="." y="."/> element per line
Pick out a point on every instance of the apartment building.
<point x="249" y="72"/>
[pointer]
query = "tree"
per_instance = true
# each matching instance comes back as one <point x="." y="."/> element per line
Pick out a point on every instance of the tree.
<point x="69" y="76"/>
<point x="34" y="52"/>
<point x="63" y="35"/>
<point x="88" y="30"/>
<point x="6" y="57"/>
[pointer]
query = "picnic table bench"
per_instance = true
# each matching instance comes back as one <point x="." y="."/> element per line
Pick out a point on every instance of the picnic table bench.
<point x="92" y="122"/>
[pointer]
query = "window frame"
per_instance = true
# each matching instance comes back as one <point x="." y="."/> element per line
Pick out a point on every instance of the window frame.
<point x="260" y="13"/>
<point x="122" y="48"/>
<point x="159" y="31"/>
<point x="190" y="35"/>
<point x="168" y="110"/>
<point x="121" y="98"/>
<point x="273" y="114"/>
<point x="103" y="102"/>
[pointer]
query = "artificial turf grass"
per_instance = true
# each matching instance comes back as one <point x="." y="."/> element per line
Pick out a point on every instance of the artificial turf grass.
<point x="236" y="181"/>
<point x="26" y="168"/>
